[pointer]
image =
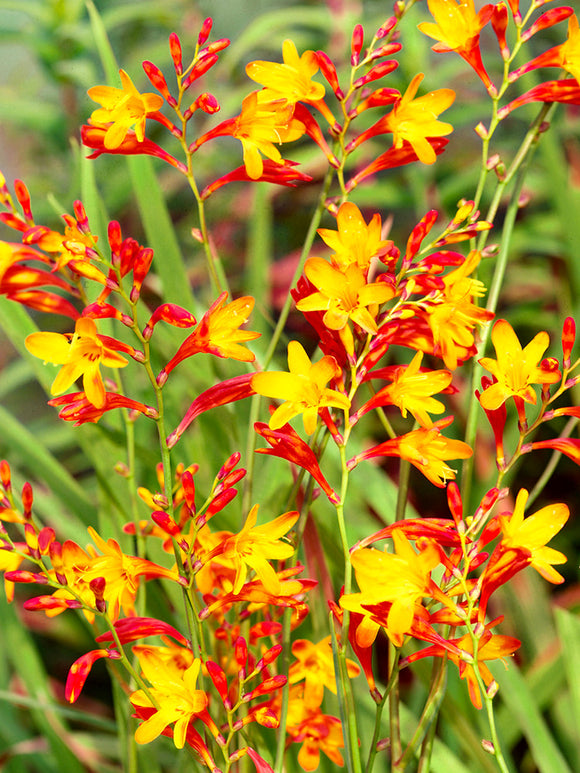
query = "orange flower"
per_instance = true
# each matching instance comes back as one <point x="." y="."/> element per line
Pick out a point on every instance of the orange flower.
<point x="515" y="369"/>
<point x="415" y="120"/>
<point x="177" y="699"/>
<point x="452" y="315"/>
<point x="291" y="80"/>
<point x="80" y="354"/>
<point x="354" y="241"/>
<point x="490" y="647"/>
<point x="315" y="664"/>
<point x="253" y="546"/>
<point x="122" y="108"/>
<point x="122" y="574"/>
<point x="426" y="449"/>
<point x="411" y="391"/>
<point x="344" y="295"/>
<point x="401" y="578"/>
<point x="457" y="28"/>
<point x="218" y="333"/>
<point x="303" y="388"/>
<point x="566" y="55"/>
<point x="533" y="533"/>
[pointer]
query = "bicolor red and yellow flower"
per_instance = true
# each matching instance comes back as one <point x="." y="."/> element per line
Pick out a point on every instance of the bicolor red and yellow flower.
<point x="81" y="354"/>
<point x="516" y="369"/>
<point x="121" y="109"/>
<point x="303" y="389"/>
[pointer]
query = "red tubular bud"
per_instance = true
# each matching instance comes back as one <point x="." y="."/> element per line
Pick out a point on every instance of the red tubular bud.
<point x="205" y="30"/>
<point x="46" y="537"/>
<point x="157" y="79"/>
<point x="376" y="72"/>
<point x="115" y="240"/>
<point x="454" y="502"/>
<point x="23" y="197"/>
<point x="229" y="465"/>
<point x="386" y="27"/>
<point x="81" y="217"/>
<point x="5" y="475"/>
<point x="356" y="44"/>
<point x="205" y="63"/>
<point x="29" y="578"/>
<point x="568" y="340"/>
<point x="268" y="685"/>
<point x="215" y="47"/>
<point x="269" y="657"/>
<point x="175" y="50"/>
<point x="27" y="499"/>
<point x="328" y="70"/>
<point x="165" y="522"/>
<point x="241" y="652"/>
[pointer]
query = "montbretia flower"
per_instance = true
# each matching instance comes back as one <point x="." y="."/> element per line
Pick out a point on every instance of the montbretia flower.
<point x="427" y="449"/>
<point x="490" y="647"/>
<point x="303" y="388"/>
<point x="80" y="354"/>
<point x="344" y="295"/>
<point x="178" y="700"/>
<point x="401" y="578"/>
<point x="515" y="369"/>
<point x="355" y="241"/>
<point x="291" y="80"/>
<point x="566" y="55"/>
<point x="533" y="533"/>
<point x="457" y="28"/>
<point x="219" y="333"/>
<point x="315" y="664"/>
<point x="122" y="108"/>
<point x="452" y="316"/>
<point x="411" y="391"/>
<point x="254" y="546"/>
<point x="414" y="121"/>
<point x="259" y="127"/>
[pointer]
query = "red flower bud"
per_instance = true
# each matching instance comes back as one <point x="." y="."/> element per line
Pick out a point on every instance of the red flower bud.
<point x="356" y="44"/>
<point x="205" y="30"/>
<point x="175" y="50"/>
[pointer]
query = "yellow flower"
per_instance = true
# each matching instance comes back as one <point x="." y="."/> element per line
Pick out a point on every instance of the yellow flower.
<point x="291" y="80"/>
<point x="178" y="701"/>
<point x="533" y="533"/>
<point x="411" y="391"/>
<point x="253" y="546"/>
<point x="315" y="664"/>
<point x="453" y="316"/>
<point x="355" y="241"/>
<point x="456" y="23"/>
<point x="80" y="354"/>
<point x="344" y="294"/>
<point x="400" y="579"/>
<point x="122" y="108"/>
<point x="259" y="125"/>
<point x="303" y="388"/>
<point x="414" y="120"/>
<point x="515" y="369"/>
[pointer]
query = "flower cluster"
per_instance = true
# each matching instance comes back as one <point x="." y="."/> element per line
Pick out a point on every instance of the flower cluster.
<point x="399" y="331"/>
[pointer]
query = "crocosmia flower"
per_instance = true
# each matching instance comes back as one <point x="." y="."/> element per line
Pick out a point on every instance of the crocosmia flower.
<point x="533" y="533"/>
<point x="415" y="120"/>
<point x="177" y="697"/>
<point x="291" y="80"/>
<point x="123" y="108"/>
<point x="515" y="369"/>
<point x="80" y="354"/>
<point x="354" y="241"/>
<point x="457" y="28"/>
<point x="344" y="295"/>
<point x="303" y="388"/>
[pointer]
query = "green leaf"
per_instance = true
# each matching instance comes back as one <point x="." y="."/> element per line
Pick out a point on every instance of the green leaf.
<point x="523" y="709"/>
